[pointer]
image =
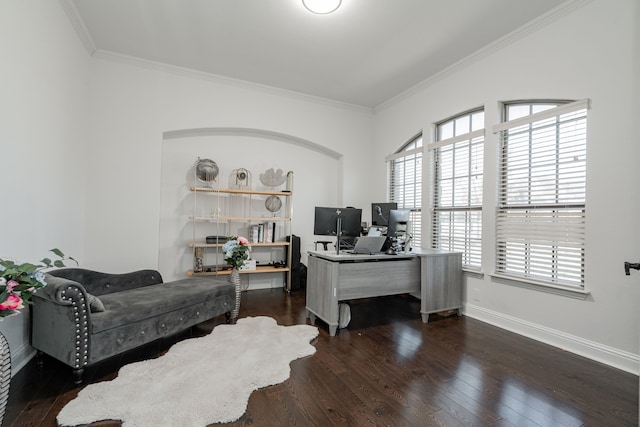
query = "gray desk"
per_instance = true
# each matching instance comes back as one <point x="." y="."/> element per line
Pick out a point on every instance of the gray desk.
<point x="332" y="278"/>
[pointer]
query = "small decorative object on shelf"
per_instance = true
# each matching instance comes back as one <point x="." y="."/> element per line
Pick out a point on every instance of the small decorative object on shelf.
<point x="273" y="204"/>
<point x="271" y="178"/>
<point x="206" y="171"/>
<point x="240" y="179"/>
<point x="249" y="265"/>
<point x="198" y="263"/>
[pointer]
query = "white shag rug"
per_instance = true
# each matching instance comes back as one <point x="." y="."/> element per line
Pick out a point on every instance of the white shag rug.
<point x="199" y="381"/>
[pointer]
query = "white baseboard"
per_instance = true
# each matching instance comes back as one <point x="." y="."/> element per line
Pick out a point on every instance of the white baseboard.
<point x="620" y="359"/>
<point x="20" y="357"/>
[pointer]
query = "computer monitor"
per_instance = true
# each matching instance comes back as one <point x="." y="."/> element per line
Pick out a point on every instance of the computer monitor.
<point x="398" y="222"/>
<point x="326" y="220"/>
<point x="380" y="213"/>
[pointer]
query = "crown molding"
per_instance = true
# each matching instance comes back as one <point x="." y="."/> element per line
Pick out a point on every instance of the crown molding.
<point x="529" y="28"/>
<point x="78" y="24"/>
<point x="85" y="37"/>
<point x="81" y="30"/>
<point x="229" y="81"/>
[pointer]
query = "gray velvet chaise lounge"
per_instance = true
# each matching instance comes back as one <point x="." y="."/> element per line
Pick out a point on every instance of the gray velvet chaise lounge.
<point x="83" y="317"/>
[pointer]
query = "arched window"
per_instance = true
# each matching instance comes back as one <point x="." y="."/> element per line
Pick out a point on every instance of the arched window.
<point x="404" y="172"/>
<point x="458" y="156"/>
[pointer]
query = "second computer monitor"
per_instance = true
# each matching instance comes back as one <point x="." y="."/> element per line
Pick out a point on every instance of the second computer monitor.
<point x="398" y="222"/>
<point x="325" y="221"/>
<point x="380" y="213"/>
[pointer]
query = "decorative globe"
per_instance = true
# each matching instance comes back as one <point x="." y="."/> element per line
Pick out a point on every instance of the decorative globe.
<point x="206" y="170"/>
<point x="273" y="204"/>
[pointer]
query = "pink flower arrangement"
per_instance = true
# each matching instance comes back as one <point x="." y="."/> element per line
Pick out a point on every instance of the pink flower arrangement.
<point x="236" y="251"/>
<point x="19" y="281"/>
<point x="13" y="302"/>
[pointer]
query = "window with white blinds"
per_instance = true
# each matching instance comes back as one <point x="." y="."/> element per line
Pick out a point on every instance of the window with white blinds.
<point x="457" y="168"/>
<point x="404" y="171"/>
<point x="540" y="224"/>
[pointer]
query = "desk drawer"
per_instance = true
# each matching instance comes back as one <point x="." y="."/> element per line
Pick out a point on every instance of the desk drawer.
<point x="377" y="278"/>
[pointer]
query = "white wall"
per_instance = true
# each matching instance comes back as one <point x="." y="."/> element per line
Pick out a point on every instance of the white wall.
<point x="133" y="104"/>
<point x="82" y="145"/>
<point x="590" y="53"/>
<point x="42" y="150"/>
<point x="82" y="151"/>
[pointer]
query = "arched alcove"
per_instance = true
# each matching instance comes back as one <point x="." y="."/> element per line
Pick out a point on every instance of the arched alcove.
<point x="317" y="182"/>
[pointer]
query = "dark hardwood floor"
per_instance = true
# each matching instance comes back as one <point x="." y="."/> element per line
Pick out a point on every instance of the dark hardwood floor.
<point x="387" y="369"/>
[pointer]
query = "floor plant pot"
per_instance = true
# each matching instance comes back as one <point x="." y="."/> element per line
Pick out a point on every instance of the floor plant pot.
<point x="5" y="374"/>
<point x="234" y="279"/>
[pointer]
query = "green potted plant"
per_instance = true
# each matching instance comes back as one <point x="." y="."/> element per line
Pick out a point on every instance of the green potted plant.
<point x="18" y="282"/>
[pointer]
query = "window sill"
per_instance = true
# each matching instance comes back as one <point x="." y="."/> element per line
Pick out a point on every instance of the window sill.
<point x="478" y="274"/>
<point x="542" y="287"/>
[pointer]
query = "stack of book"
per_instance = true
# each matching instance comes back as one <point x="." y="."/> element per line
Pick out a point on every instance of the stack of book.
<point x="263" y="233"/>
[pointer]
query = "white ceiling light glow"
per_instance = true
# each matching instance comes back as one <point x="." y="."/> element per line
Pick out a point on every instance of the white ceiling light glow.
<point x="322" y="7"/>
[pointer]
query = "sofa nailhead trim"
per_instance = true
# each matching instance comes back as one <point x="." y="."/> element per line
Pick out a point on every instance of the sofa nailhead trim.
<point x="82" y="325"/>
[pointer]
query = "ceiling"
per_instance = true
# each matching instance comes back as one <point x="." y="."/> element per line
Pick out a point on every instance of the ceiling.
<point x="364" y="54"/>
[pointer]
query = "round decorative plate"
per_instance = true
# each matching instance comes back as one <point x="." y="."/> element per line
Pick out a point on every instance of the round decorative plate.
<point x="273" y="204"/>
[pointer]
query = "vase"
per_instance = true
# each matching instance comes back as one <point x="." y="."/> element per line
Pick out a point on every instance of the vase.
<point x="234" y="279"/>
<point x="5" y="374"/>
<point x="198" y="263"/>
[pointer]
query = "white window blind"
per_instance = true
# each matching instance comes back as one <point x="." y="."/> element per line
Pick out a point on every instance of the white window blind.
<point x="457" y="168"/>
<point x="405" y="184"/>
<point x="540" y="224"/>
